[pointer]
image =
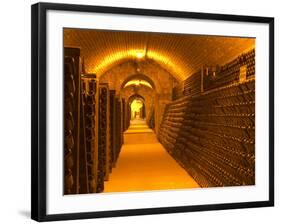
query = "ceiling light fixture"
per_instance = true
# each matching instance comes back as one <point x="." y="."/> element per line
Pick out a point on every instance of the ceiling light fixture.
<point x="140" y="54"/>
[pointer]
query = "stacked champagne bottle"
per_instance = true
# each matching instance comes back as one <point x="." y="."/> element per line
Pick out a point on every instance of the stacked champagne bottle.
<point x="212" y="135"/>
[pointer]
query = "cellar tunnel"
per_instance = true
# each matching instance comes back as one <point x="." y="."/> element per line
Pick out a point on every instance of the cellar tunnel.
<point x="152" y="111"/>
<point x="136" y="106"/>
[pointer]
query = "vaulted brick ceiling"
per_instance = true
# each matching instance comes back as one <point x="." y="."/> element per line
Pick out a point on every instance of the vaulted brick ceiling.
<point x="181" y="55"/>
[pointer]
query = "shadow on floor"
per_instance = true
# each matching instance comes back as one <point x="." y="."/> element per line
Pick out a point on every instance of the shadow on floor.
<point x="25" y="213"/>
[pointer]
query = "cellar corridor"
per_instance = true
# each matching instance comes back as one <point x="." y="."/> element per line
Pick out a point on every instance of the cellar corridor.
<point x="156" y="111"/>
<point x="144" y="164"/>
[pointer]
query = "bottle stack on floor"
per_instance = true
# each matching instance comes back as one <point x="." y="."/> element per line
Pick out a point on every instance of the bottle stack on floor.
<point x="212" y="133"/>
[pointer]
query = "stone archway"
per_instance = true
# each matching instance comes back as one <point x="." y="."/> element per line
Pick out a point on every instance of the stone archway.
<point x="148" y="70"/>
<point x="163" y="83"/>
<point x="139" y="77"/>
<point x="147" y="94"/>
<point x="131" y="100"/>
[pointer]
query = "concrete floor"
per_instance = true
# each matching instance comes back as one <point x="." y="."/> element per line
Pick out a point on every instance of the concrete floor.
<point x="144" y="164"/>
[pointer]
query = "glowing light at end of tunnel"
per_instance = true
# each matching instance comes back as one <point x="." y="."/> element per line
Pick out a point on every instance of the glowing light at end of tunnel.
<point x="136" y="106"/>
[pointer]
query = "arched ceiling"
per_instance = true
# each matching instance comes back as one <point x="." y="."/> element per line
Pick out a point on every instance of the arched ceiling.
<point x="138" y="79"/>
<point x="138" y="82"/>
<point x="181" y="55"/>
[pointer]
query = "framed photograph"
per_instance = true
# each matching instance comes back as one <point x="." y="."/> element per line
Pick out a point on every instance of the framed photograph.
<point x="139" y="111"/>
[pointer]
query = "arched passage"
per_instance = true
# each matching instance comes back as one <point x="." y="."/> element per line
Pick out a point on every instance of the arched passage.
<point x="206" y="122"/>
<point x="148" y="70"/>
<point x="136" y="90"/>
<point x="161" y="81"/>
<point x="136" y="108"/>
<point x="139" y="77"/>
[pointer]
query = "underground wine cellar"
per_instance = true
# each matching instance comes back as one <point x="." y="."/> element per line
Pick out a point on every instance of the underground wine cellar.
<point x="155" y="111"/>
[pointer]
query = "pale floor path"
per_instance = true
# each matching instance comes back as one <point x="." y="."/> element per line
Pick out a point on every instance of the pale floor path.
<point x="147" y="167"/>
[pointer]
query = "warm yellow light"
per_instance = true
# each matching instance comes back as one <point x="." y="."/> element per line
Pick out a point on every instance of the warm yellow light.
<point x="136" y="106"/>
<point x="139" y="54"/>
<point x="164" y="60"/>
<point x="138" y="82"/>
<point x="113" y="59"/>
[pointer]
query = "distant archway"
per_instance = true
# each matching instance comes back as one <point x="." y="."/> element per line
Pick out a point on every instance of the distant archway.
<point x="138" y="77"/>
<point x="137" y="108"/>
<point x="135" y="96"/>
<point x="130" y="115"/>
<point x="155" y="75"/>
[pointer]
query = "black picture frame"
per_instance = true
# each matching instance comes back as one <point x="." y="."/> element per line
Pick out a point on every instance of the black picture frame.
<point x="39" y="122"/>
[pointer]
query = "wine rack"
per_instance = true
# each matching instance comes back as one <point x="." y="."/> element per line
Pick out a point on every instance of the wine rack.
<point x="151" y="121"/>
<point x="212" y="135"/>
<point x="90" y="97"/>
<point x="115" y="128"/>
<point x="71" y="121"/>
<point x="123" y="112"/>
<point x="119" y="133"/>
<point x="103" y="161"/>
<point x="177" y="91"/>
<point x="93" y="128"/>
<point x="113" y="115"/>
<point x="192" y="85"/>
<point x="128" y="116"/>
<point x="230" y="72"/>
